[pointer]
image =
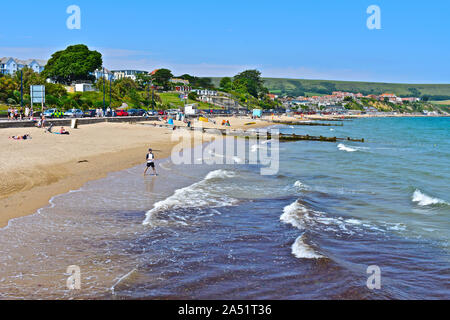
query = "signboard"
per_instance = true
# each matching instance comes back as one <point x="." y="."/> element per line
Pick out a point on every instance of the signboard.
<point x="37" y="94"/>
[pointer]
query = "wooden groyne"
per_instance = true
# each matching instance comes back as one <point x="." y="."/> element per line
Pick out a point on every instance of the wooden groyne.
<point x="330" y="119"/>
<point x="307" y="123"/>
<point x="255" y="134"/>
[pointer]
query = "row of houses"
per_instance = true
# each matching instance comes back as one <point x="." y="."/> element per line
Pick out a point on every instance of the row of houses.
<point x="339" y="97"/>
<point x="10" y="66"/>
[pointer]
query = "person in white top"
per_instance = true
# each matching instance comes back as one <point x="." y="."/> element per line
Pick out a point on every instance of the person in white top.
<point x="150" y="162"/>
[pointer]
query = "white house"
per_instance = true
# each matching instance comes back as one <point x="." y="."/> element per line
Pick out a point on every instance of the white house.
<point x="108" y="75"/>
<point x="9" y="65"/>
<point x="205" y="92"/>
<point x="121" y="74"/>
<point x="84" y="87"/>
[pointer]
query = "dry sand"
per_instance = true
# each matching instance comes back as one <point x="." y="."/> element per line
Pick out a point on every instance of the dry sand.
<point x="33" y="171"/>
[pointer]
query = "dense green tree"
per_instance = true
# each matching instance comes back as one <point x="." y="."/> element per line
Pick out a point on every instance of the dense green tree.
<point x="74" y="63"/>
<point x="205" y="83"/>
<point x="193" y="96"/>
<point x="124" y="87"/>
<point x="198" y="82"/>
<point x="251" y="80"/>
<point x="161" y="77"/>
<point x="7" y="87"/>
<point x="143" y="80"/>
<point x="226" y="83"/>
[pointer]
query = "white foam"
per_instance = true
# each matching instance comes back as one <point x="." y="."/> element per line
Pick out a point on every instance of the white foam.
<point x="196" y="195"/>
<point x="301" y="250"/>
<point x="298" y="184"/>
<point x="220" y="174"/>
<point x="353" y="221"/>
<point x="343" y="147"/>
<point x="424" y="200"/>
<point x="290" y="215"/>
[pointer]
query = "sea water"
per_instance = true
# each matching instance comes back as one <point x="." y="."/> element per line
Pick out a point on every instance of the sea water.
<point x="226" y="232"/>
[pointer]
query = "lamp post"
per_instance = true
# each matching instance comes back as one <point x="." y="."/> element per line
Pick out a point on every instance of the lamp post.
<point x="21" y="88"/>
<point x="104" y="89"/>
<point x="110" y="86"/>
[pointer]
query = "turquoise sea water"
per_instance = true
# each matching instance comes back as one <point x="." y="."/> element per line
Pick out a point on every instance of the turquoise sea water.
<point x="226" y="232"/>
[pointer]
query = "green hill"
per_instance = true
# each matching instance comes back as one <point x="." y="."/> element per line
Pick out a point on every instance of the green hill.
<point x="298" y="87"/>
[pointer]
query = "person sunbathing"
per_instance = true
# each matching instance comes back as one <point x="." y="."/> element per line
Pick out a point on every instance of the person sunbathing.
<point x="62" y="131"/>
<point x="25" y="137"/>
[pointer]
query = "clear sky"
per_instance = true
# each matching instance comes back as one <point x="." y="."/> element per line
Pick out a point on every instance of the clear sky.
<point x="321" y="39"/>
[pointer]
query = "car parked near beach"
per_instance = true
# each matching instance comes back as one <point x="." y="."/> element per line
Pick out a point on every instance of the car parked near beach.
<point x="53" y="113"/>
<point x="136" y="112"/>
<point x="89" y="113"/>
<point x="74" y="113"/>
<point x="121" y="113"/>
<point x="150" y="113"/>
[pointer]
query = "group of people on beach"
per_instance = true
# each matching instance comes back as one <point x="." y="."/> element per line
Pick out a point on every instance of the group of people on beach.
<point x="20" y="113"/>
<point x="226" y="123"/>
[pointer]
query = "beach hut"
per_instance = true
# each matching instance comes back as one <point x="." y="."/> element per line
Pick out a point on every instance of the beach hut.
<point x="257" y="113"/>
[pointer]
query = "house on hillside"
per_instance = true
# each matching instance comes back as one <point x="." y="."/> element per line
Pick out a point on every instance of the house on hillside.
<point x="121" y="74"/>
<point x="104" y="73"/>
<point x="9" y="65"/>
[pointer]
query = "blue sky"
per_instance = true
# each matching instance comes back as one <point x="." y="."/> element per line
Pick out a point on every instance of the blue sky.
<point x="322" y="39"/>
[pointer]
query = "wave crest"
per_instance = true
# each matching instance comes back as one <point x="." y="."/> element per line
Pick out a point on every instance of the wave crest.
<point x="198" y="195"/>
<point x="424" y="200"/>
<point x="301" y="250"/>
<point x="343" y="147"/>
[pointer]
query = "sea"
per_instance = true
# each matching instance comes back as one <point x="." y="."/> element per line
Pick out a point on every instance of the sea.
<point x="345" y="220"/>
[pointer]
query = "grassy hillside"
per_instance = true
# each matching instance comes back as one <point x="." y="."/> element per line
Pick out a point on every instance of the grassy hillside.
<point x="297" y="87"/>
<point x="172" y="99"/>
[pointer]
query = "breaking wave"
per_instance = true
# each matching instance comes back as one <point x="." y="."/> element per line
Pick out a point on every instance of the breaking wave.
<point x="343" y="147"/>
<point x="424" y="200"/>
<point x="196" y="196"/>
<point x="300" y="185"/>
<point x="302" y="250"/>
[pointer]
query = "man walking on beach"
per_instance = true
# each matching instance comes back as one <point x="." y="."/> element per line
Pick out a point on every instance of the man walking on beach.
<point x="150" y="162"/>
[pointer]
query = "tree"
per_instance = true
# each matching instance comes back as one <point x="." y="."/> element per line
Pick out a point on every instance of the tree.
<point x="193" y="96"/>
<point x="29" y="78"/>
<point x="251" y="80"/>
<point x="204" y="83"/>
<point x="7" y="87"/>
<point x="143" y="79"/>
<point x="123" y="87"/>
<point x="161" y="77"/>
<point x="225" y="83"/>
<point x="74" y="63"/>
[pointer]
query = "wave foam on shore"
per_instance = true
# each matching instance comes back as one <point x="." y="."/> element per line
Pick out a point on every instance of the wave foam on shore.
<point x="198" y="195"/>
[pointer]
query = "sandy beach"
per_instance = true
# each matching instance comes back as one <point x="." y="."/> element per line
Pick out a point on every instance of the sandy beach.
<point x="33" y="171"/>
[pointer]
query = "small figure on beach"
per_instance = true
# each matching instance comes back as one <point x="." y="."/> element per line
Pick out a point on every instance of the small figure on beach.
<point x="63" y="131"/>
<point x="150" y="162"/>
<point x="24" y="137"/>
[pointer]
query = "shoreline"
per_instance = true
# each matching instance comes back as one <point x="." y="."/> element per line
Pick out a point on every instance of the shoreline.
<point x="90" y="153"/>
